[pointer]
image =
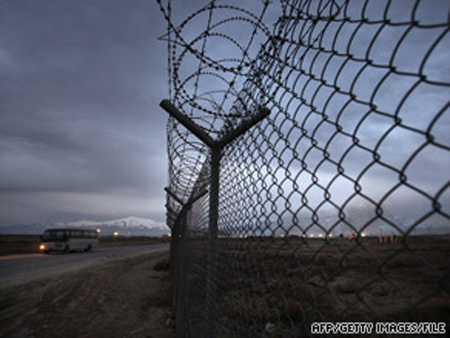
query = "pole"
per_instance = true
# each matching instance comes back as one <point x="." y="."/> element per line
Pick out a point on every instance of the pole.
<point x="215" y="147"/>
<point x="211" y="277"/>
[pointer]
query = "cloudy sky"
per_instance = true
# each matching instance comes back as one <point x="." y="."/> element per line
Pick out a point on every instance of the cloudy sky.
<point x="81" y="132"/>
<point x="381" y="107"/>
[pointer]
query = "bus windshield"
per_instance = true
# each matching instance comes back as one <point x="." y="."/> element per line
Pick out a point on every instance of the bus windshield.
<point x="54" y="235"/>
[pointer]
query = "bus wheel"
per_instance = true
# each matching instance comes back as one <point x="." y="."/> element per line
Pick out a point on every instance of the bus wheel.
<point x="66" y="249"/>
<point x="88" y="248"/>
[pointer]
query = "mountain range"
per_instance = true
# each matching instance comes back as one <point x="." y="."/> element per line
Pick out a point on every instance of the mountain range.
<point x="129" y="226"/>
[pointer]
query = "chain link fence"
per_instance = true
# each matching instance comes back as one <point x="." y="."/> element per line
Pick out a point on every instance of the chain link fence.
<point x="336" y="206"/>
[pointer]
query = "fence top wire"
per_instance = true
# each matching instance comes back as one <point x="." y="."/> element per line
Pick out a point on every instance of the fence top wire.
<point x="357" y="144"/>
<point x="347" y="81"/>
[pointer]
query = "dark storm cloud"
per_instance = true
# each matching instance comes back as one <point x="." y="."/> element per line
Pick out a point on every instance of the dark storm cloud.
<point x="80" y="84"/>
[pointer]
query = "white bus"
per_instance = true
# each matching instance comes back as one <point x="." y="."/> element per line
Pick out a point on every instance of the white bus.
<point x="66" y="240"/>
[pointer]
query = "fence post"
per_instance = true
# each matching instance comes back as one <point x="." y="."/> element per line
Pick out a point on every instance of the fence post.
<point x="173" y="233"/>
<point x="180" y="280"/>
<point x="211" y="286"/>
<point x="215" y="147"/>
<point x="174" y="245"/>
<point x="178" y="258"/>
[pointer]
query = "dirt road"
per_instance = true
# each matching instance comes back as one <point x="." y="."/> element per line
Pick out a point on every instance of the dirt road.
<point x="124" y="297"/>
<point x="19" y="269"/>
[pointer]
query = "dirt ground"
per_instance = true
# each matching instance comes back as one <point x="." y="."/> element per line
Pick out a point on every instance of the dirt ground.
<point x="278" y="287"/>
<point x="129" y="297"/>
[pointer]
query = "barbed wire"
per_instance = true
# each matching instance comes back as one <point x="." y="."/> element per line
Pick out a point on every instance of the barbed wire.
<point x="352" y="156"/>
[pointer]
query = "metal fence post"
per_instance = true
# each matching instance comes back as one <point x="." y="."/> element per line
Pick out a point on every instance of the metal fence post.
<point x="180" y="279"/>
<point x="174" y="244"/>
<point x="215" y="147"/>
<point x="173" y="263"/>
<point x="211" y="287"/>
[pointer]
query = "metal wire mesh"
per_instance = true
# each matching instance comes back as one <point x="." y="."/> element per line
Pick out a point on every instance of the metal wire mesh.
<point x="337" y="206"/>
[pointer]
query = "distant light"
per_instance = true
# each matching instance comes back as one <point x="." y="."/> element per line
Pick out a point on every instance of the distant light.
<point x="42" y="247"/>
<point x="320" y="235"/>
<point x="363" y="234"/>
<point x="116" y="233"/>
<point x="330" y="235"/>
<point x="311" y="235"/>
<point x="99" y="231"/>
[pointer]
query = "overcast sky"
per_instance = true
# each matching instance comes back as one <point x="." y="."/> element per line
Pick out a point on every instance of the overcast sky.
<point x="81" y="132"/>
<point x="406" y="80"/>
<point x="83" y="137"/>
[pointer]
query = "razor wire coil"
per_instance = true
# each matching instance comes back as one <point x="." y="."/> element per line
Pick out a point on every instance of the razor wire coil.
<point x="356" y="146"/>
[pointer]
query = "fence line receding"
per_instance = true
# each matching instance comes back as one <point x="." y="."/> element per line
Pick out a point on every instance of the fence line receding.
<point x="309" y="148"/>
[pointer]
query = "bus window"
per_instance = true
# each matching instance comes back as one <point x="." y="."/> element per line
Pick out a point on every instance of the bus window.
<point x="67" y="240"/>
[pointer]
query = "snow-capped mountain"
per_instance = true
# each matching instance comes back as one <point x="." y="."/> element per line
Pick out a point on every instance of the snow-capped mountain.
<point x="129" y="226"/>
